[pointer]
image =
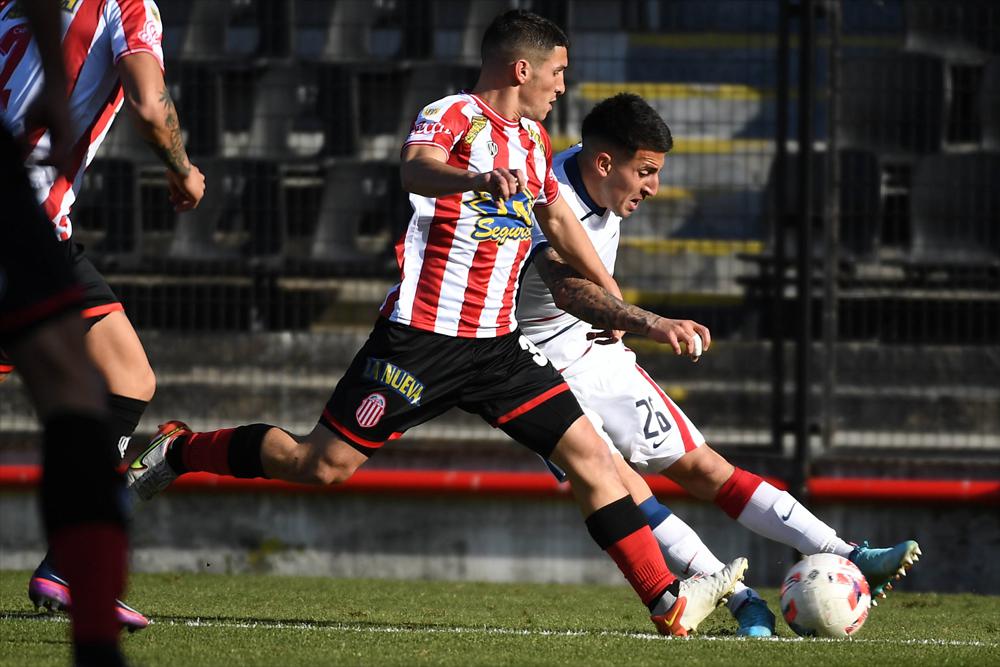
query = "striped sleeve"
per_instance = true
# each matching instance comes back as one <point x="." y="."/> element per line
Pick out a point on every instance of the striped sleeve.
<point x="135" y="27"/>
<point x="439" y="124"/>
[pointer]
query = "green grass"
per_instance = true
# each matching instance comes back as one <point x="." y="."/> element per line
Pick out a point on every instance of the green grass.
<point x="271" y="620"/>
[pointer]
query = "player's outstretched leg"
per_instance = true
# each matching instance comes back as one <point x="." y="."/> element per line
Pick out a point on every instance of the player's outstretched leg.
<point x="881" y="566"/>
<point x="779" y="516"/>
<point x="48" y="590"/>
<point x="697" y="598"/>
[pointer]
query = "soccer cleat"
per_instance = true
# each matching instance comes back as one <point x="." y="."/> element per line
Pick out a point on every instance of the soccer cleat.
<point x="697" y="597"/>
<point x="47" y="589"/>
<point x="755" y="619"/>
<point x="881" y="566"/>
<point x="150" y="473"/>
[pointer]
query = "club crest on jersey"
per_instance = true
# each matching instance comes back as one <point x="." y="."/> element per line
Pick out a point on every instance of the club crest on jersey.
<point x="151" y="33"/>
<point x="370" y="412"/>
<point x="492" y="147"/>
<point x="476" y="126"/>
<point x="399" y="380"/>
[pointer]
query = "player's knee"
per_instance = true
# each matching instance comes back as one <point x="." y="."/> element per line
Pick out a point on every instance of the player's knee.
<point x="330" y="469"/>
<point x="701" y="472"/>
<point x="583" y="453"/>
<point x="146" y="383"/>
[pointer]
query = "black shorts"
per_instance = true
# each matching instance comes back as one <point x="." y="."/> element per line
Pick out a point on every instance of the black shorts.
<point x="98" y="297"/>
<point x="404" y="376"/>
<point x="36" y="281"/>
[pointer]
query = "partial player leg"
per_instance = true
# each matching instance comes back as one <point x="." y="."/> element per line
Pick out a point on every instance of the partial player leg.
<point x="82" y="494"/>
<point x="619" y="528"/>
<point x="116" y="351"/>
<point x="777" y="515"/>
<point x="687" y="556"/>
<point x="251" y="451"/>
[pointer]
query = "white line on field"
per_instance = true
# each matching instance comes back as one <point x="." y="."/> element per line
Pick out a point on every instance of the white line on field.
<point x="484" y="630"/>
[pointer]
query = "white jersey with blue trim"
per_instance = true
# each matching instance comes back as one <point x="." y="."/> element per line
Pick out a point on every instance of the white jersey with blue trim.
<point x="561" y="336"/>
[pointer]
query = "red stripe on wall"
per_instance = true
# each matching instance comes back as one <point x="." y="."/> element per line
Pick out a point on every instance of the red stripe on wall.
<point x="474" y="482"/>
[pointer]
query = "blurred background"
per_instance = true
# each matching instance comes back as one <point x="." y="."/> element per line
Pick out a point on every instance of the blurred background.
<point x="831" y="210"/>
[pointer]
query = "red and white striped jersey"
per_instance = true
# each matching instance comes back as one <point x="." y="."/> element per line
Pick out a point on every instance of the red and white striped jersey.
<point x="461" y="256"/>
<point x="96" y="34"/>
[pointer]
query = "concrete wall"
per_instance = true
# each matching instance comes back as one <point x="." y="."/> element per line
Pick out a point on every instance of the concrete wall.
<point x="485" y="539"/>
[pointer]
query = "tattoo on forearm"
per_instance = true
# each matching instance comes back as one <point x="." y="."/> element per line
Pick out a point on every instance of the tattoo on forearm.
<point x="171" y="151"/>
<point x="589" y="301"/>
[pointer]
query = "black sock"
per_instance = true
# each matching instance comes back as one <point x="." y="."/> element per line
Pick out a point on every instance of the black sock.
<point x="125" y="415"/>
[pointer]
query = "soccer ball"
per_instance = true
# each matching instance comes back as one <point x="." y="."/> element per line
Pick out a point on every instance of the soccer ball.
<point x="825" y="595"/>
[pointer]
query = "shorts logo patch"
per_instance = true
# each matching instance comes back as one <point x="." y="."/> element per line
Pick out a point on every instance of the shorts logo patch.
<point x="398" y="379"/>
<point x="371" y="410"/>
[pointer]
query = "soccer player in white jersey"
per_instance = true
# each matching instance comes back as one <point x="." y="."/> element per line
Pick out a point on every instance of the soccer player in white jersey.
<point x="605" y="179"/>
<point x="114" y="58"/>
<point x="477" y="165"/>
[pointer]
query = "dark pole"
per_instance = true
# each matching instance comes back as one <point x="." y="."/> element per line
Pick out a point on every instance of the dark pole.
<point x="831" y="227"/>
<point x="779" y="226"/>
<point x="803" y="269"/>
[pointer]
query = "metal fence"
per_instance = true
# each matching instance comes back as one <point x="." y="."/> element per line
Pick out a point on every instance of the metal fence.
<point x="831" y="212"/>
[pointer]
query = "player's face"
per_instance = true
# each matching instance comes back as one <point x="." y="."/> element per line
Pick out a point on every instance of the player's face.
<point x="632" y="180"/>
<point x="545" y="83"/>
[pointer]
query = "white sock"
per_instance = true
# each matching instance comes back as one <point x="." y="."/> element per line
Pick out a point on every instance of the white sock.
<point x="778" y="516"/>
<point x="687" y="555"/>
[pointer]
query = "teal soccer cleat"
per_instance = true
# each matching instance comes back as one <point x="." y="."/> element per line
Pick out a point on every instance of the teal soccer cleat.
<point x="755" y="619"/>
<point x="881" y="566"/>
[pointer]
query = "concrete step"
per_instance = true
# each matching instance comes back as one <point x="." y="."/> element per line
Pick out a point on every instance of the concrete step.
<point x="286" y="379"/>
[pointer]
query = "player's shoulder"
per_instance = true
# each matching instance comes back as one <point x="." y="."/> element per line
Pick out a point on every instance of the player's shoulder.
<point x="559" y="162"/>
<point x="451" y="104"/>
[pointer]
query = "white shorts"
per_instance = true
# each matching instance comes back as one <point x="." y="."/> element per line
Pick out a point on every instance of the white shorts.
<point x="629" y="410"/>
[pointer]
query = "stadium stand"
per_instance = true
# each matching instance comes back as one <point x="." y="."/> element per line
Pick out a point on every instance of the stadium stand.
<point x="955" y="210"/>
<point x="295" y="111"/>
<point x="989" y="104"/>
<point x="957" y="30"/>
<point x="893" y="103"/>
<point x="107" y="211"/>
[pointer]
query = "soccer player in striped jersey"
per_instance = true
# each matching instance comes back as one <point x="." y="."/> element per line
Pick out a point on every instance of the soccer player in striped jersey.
<point x="477" y="166"/>
<point x="114" y="58"/>
<point x="81" y="492"/>
<point x="605" y="179"/>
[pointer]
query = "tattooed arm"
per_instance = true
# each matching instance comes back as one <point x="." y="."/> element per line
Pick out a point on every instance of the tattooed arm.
<point x="595" y="305"/>
<point x="155" y="117"/>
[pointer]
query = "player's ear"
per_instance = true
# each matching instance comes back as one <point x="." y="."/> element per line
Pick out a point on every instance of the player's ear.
<point x="522" y="71"/>
<point x="603" y="162"/>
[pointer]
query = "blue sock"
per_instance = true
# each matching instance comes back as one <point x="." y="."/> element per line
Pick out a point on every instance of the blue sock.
<point x="654" y="511"/>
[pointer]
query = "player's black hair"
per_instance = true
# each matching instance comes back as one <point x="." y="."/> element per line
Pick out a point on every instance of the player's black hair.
<point x="519" y="33"/>
<point x="627" y="122"/>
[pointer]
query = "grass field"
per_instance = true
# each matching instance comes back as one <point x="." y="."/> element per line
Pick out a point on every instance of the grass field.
<point x="270" y="620"/>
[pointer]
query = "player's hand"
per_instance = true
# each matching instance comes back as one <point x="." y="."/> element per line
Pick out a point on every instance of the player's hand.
<point x="605" y="336"/>
<point x="186" y="191"/>
<point x="50" y="110"/>
<point x="501" y="183"/>
<point x="695" y="337"/>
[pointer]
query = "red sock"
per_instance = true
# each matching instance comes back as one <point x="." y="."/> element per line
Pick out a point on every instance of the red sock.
<point x="639" y="558"/>
<point x="93" y="559"/>
<point x="737" y="491"/>
<point x="620" y="529"/>
<point x="207" y="452"/>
